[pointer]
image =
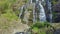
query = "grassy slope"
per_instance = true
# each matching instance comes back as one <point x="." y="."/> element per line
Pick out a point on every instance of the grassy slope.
<point x="8" y="19"/>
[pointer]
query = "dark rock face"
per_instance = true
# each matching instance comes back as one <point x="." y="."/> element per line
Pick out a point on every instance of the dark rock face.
<point x="56" y="9"/>
<point x="57" y="31"/>
<point x="34" y="1"/>
<point x="51" y="31"/>
<point x="57" y="19"/>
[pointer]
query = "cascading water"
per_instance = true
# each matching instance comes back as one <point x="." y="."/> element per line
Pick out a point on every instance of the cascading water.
<point x="22" y="11"/>
<point x="34" y="14"/>
<point x="39" y="12"/>
<point x="23" y="14"/>
<point x="31" y="1"/>
<point x="42" y="15"/>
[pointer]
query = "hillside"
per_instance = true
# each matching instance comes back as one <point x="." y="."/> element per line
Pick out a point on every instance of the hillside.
<point x="11" y="21"/>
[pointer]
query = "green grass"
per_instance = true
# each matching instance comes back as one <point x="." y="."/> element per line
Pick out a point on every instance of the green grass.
<point x="35" y="29"/>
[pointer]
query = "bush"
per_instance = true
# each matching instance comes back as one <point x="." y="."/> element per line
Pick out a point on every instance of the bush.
<point x="41" y="28"/>
<point x="40" y="25"/>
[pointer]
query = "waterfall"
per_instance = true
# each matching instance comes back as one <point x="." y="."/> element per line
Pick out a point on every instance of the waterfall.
<point x="21" y="14"/>
<point x="31" y="1"/>
<point x="34" y="14"/>
<point x="24" y="13"/>
<point x="48" y="3"/>
<point x="42" y="15"/>
<point x="39" y="12"/>
<point x="21" y="11"/>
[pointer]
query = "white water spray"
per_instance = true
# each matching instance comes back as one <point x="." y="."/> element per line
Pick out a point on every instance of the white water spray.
<point x="42" y="15"/>
<point x="21" y="11"/>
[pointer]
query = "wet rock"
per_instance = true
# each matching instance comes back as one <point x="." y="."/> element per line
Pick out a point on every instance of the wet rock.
<point x="57" y="31"/>
<point x="56" y="9"/>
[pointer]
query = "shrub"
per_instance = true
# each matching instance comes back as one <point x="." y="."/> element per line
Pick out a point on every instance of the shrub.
<point x="40" y="25"/>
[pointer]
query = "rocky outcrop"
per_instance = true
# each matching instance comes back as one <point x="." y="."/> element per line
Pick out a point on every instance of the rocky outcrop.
<point x="56" y="10"/>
